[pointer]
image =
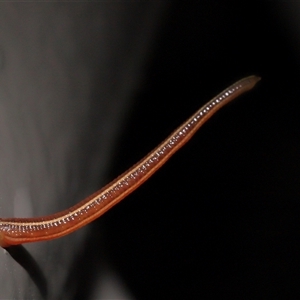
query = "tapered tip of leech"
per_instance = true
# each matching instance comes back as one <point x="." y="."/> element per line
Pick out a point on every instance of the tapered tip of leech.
<point x="250" y="82"/>
<point x="257" y="78"/>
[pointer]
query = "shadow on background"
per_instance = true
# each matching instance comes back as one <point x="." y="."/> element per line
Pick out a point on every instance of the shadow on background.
<point x="28" y="263"/>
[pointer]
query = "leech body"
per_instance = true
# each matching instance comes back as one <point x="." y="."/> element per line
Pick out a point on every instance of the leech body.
<point x="15" y="231"/>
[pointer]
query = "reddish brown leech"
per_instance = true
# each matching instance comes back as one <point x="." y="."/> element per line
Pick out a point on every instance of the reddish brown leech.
<point x="15" y="231"/>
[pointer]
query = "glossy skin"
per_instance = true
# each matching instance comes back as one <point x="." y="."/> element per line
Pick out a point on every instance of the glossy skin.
<point x="15" y="231"/>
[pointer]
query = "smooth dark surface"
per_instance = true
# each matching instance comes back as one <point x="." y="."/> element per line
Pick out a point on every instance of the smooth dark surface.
<point x="221" y="219"/>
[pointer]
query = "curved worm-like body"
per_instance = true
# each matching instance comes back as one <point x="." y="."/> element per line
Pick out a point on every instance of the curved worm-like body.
<point x="15" y="231"/>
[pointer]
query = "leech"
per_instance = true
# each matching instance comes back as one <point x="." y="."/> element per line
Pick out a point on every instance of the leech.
<point x="15" y="231"/>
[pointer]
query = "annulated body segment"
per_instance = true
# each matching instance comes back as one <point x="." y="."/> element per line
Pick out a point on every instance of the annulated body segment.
<point x="14" y="231"/>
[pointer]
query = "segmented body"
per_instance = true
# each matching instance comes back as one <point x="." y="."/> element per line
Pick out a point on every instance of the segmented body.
<point x="14" y="231"/>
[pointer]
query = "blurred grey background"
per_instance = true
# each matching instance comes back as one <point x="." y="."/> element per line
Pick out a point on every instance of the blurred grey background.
<point x="88" y="88"/>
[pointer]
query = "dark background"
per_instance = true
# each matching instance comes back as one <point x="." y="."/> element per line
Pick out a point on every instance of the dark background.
<point x="221" y="218"/>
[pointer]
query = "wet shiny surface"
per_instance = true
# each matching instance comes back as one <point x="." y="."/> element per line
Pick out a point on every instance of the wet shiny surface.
<point x="24" y="230"/>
